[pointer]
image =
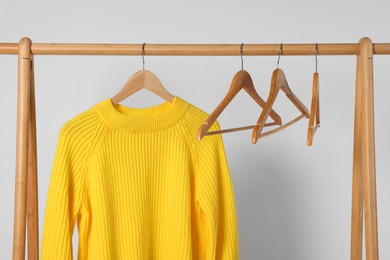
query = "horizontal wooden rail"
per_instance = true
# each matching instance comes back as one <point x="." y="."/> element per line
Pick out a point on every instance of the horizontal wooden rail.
<point x="192" y="49"/>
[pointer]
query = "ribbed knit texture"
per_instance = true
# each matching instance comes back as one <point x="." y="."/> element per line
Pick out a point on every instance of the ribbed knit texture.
<point x="140" y="186"/>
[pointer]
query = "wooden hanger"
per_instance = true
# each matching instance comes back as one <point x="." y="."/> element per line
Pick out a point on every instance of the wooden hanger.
<point x="241" y="80"/>
<point x="315" y="106"/>
<point x="278" y="82"/>
<point x="142" y="79"/>
<point x="314" y="111"/>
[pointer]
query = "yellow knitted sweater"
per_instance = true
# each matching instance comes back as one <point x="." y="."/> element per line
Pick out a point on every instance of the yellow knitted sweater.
<point x="140" y="186"/>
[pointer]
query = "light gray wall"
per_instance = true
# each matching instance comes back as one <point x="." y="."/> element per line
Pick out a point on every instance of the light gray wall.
<point x="293" y="201"/>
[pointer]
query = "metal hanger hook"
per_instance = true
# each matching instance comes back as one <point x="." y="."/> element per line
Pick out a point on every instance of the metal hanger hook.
<point x="316" y="52"/>
<point x="280" y="53"/>
<point x="143" y="59"/>
<point x="242" y="53"/>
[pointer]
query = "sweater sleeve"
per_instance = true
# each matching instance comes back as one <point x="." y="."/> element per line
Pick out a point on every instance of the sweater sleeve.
<point x="65" y="195"/>
<point x="217" y="212"/>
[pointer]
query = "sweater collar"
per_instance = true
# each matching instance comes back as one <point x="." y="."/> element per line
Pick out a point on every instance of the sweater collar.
<point x="147" y="119"/>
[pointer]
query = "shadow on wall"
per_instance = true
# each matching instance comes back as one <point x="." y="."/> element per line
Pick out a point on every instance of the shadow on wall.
<point x="263" y="206"/>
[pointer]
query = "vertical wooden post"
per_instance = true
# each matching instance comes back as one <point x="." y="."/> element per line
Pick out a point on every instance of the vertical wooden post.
<point x="32" y="177"/>
<point x="368" y="149"/>
<point x="23" y="116"/>
<point x="357" y="177"/>
<point x="364" y="181"/>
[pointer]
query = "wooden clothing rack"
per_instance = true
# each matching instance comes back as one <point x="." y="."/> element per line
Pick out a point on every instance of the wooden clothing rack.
<point x="363" y="182"/>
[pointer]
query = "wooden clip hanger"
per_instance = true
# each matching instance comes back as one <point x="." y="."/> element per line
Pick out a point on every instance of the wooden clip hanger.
<point x="142" y="79"/>
<point x="278" y="81"/>
<point x="315" y="107"/>
<point x="241" y="80"/>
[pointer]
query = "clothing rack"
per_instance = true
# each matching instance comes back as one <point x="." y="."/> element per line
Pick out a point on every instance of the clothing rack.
<point x="363" y="177"/>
